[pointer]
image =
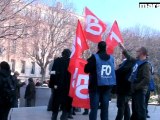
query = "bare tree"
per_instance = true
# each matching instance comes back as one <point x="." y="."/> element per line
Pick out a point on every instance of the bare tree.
<point x="143" y="36"/>
<point x="12" y="22"/>
<point x="53" y="32"/>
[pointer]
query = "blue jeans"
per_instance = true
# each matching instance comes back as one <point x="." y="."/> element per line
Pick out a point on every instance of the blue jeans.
<point x="101" y="96"/>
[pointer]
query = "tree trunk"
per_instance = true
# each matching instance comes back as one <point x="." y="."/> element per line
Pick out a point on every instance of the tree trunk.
<point x="43" y="73"/>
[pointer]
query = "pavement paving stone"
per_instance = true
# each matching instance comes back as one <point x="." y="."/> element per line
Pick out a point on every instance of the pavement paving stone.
<point x="41" y="113"/>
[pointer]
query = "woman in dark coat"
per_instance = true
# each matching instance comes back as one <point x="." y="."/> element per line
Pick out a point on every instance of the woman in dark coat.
<point x="30" y="93"/>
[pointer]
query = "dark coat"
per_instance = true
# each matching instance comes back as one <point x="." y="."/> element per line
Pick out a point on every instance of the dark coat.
<point x="6" y="88"/>
<point x="18" y="84"/>
<point x="91" y="69"/>
<point x="30" y="92"/>
<point x="123" y="73"/>
<point x="6" y="93"/>
<point x="61" y="79"/>
<point x="143" y="75"/>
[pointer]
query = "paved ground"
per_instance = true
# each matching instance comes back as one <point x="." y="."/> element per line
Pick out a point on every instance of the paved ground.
<point x="40" y="113"/>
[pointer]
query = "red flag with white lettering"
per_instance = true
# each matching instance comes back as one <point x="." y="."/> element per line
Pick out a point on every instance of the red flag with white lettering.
<point x="80" y="43"/>
<point x="114" y="38"/>
<point x="73" y="68"/>
<point x="81" y="95"/>
<point x="79" y="46"/>
<point x="94" y="27"/>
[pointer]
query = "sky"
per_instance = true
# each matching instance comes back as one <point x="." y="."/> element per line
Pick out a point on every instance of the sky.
<point x="126" y="12"/>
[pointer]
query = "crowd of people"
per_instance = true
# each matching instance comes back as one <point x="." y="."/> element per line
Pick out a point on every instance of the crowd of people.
<point x="132" y="81"/>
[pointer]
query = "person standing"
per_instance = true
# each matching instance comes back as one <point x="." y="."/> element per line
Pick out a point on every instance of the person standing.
<point x="60" y="83"/>
<point x="139" y="78"/>
<point x="30" y="93"/>
<point x="49" y="106"/>
<point x="101" y="71"/>
<point x="6" y="90"/>
<point x="123" y="89"/>
<point x="18" y="85"/>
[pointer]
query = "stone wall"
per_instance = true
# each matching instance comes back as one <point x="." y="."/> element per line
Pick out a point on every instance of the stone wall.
<point x="42" y="96"/>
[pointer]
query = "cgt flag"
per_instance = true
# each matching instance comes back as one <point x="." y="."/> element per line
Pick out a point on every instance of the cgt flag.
<point x="114" y="38"/>
<point x="78" y="47"/>
<point x="94" y="27"/>
<point x="81" y="81"/>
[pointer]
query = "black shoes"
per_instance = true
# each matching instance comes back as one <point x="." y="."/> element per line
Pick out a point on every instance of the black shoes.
<point x="85" y="113"/>
<point x="70" y="116"/>
<point x="73" y="113"/>
<point x="148" y="116"/>
<point x="54" y="116"/>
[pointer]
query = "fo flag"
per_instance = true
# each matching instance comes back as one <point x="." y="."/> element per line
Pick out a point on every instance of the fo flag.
<point x="114" y="38"/>
<point x="94" y="27"/>
<point x="79" y="44"/>
<point x="73" y="68"/>
<point x="78" y="47"/>
<point x="81" y="95"/>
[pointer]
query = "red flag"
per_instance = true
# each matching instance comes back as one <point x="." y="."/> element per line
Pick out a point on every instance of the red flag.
<point x="81" y="95"/>
<point x="79" y="46"/>
<point x="94" y="27"/>
<point x="73" y="68"/>
<point x="80" y="43"/>
<point x="114" y="38"/>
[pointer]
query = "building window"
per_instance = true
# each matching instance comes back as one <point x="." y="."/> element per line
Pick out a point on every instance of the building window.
<point x="23" y="66"/>
<point x="33" y="68"/>
<point x="13" y="64"/>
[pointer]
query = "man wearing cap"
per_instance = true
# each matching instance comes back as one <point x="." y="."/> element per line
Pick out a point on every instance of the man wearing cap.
<point x="139" y="79"/>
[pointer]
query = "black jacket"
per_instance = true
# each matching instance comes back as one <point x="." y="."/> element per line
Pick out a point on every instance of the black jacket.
<point x="143" y="75"/>
<point x="91" y="69"/>
<point x="17" y="85"/>
<point x="6" y="87"/>
<point x="123" y="73"/>
<point x="61" y="79"/>
<point x="62" y="76"/>
<point x="30" y="92"/>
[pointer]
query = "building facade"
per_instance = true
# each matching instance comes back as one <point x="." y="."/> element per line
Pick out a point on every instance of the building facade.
<point x="17" y="51"/>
